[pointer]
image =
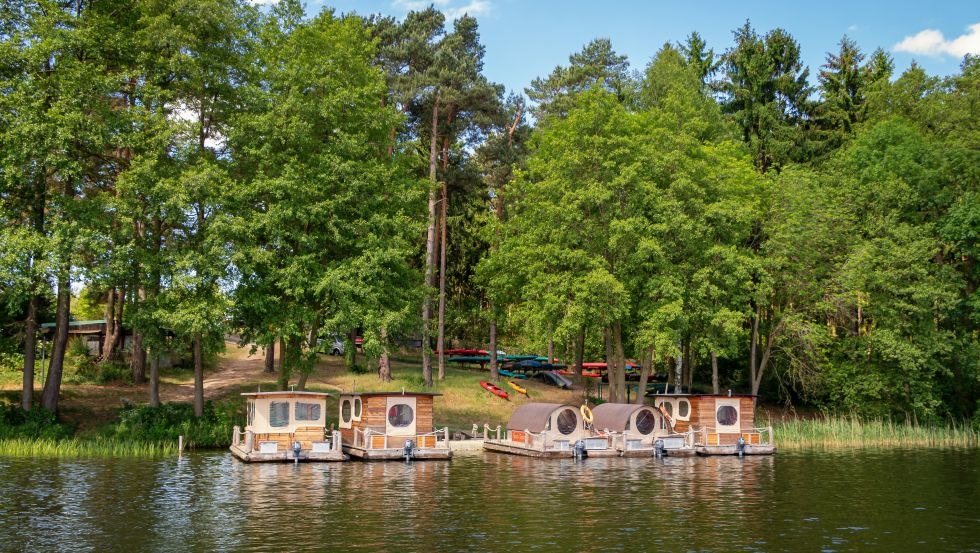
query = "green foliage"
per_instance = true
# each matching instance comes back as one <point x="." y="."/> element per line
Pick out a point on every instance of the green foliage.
<point x="38" y="423"/>
<point x="171" y="420"/>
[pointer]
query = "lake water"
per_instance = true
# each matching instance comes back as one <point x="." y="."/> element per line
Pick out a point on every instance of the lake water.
<point x="844" y="501"/>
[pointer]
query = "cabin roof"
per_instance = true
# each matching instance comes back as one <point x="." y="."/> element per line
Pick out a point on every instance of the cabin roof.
<point x="533" y="416"/>
<point x="722" y="396"/>
<point x="287" y="393"/>
<point x="615" y="416"/>
<point x="378" y="394"/>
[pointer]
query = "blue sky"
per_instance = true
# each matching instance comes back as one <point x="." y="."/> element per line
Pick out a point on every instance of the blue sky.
<point x="525" y="39"/>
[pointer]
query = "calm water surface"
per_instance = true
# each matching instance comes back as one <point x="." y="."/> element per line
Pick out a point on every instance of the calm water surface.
<point x="848" y="501"/>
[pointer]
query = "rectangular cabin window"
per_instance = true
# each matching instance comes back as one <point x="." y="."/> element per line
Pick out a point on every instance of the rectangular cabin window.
<point x="307" y="411"/>
<point x="279" y="414"/>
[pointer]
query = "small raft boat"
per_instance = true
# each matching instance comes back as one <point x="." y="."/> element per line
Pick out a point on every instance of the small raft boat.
<point x="494" y="389"/>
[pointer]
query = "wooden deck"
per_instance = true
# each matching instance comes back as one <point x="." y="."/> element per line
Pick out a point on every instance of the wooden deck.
<point x="286" y="455"/>
<point x="506" y="447"/>
<point x="397" y="454"/>
<point x="733" y="449"/>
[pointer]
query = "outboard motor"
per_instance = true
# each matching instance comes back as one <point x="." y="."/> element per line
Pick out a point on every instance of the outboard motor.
<point x="580" y="451"/>
<point x="296" y="449"/>
<point x="658" y="449"/>
<point x="409" y="450"/>
<point x="740" y="446"/>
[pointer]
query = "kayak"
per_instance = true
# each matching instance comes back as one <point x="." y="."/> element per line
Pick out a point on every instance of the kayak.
<point x="511" y="374"/>
<point x="494" y="389"/>
<point x="517" y="388"/>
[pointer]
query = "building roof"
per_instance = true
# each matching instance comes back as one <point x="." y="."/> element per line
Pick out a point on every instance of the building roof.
<point x="287" y="393"/>
<point x="702" y="395"/>
<point x="402" y="393"/>
<point x="615" y="416"/>
<point x="534" y="416"/>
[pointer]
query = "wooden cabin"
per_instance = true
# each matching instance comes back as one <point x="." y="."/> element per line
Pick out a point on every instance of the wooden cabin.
<point x="286" y="426"/>
<point x="547" y="430"/>
<point x="382" y="425"/>
<point x="716" y="422"/>
<point x="634" y="429"/>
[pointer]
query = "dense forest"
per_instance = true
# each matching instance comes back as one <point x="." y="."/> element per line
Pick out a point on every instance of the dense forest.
<point x="195" y="168"/>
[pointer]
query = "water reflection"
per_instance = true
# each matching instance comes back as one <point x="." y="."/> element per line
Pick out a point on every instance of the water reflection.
<point x="480" y="502"/>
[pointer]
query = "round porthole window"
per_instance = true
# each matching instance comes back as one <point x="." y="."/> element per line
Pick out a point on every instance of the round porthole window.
<point x="567" y="421"/>
<point x="645" y="422"/>
<point x="345" y="410"/>
<point x="400" y="415"/>
<point x="357" y="408"/>
<point x="727" y="415"/>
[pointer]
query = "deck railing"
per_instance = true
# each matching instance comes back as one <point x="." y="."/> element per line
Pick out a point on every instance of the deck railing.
<point x="246" y="439"/>
<point x="365" y="439"/>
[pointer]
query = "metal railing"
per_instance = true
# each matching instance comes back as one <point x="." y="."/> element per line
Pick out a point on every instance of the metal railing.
<point x="363" y="438"/>
<point x="707" y="435"/>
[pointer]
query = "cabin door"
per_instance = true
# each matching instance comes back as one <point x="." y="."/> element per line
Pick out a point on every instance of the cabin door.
<point x="400" y="416"/>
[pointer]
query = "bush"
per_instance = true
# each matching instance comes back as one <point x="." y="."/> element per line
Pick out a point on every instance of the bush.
<point x="170" y="420"/>
<point x="11" y="362"/>
<point x="37" y="423"/>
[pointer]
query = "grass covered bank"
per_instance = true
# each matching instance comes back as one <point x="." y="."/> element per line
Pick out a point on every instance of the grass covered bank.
<point x="848" y="433"/>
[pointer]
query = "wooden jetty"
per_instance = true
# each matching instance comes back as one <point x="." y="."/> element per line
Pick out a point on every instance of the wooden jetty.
<point x="286" y="426"/>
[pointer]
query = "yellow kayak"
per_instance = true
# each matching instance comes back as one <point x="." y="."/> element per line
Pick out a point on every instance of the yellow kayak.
<point x="517" y="388"/>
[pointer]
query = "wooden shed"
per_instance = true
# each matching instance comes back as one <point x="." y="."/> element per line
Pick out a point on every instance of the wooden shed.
<point x="546" y="430"/>
<point x="286" y="426"/>
<point x="716" y="422"/>
<point x="379" y="425"/>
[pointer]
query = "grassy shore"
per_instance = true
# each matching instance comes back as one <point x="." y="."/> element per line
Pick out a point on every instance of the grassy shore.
<point x="109" y="420"/>
<point x="848" y="433"/>
<point x="75" y="448"/>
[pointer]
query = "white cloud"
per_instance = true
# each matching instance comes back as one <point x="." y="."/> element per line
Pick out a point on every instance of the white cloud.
<point x="450" y="8"/>
<point x="931" y="42"/>
<point x="853" y="28"/>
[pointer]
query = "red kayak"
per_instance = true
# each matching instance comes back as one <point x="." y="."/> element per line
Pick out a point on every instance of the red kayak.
<point x="494" y="389"/>
<point x="465" y="352"/>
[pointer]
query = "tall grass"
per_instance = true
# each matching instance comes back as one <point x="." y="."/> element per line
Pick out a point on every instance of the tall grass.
<point x="831" y="432"/>
<point x="75" y="448"/>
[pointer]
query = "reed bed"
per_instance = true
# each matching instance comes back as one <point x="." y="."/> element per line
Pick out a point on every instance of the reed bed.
<point x="76" y="448"/>
<point x="830" y="432"/>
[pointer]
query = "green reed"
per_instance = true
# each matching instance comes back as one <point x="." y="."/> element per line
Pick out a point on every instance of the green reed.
<point x="76" y="448"/>
<point x="840" y="432"/>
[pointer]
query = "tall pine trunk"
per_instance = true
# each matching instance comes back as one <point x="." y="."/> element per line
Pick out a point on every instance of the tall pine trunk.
<point x="441" y="340"/>
<point x="494" y="369"/>
<point x="110" y="325"/>
<point x="580" y="350"/>
<point x="154" y="377"/>
<point x="430" y="251"/>
<point x="198" y="376"/>
<point x="52" y="385"/>
<point x="715" y="388"/>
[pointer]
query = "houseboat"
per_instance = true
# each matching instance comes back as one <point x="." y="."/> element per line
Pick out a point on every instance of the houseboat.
<point x="549" y="430"/>
<point x="718" y="424"/>
<point x="286" y="426"/>
<point x="635" y="430"/>
<point x="391" y="425"/>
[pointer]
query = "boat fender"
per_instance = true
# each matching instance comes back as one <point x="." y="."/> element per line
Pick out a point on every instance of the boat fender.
<point x="586" y="414"/>
<point x="740" y="446"/>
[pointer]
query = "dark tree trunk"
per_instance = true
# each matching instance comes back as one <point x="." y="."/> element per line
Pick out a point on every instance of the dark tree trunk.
<point x="715" y="388"/>
<point x="285" y="362"/>
<point x="494" y="368"/>
<point x="52" y="385"/>
<point x="110" y="325"/>
<point x="617" y="370"/>
<point x="154" y="378"/>
<point x="139" y="359"/>
<point x="384" y="363"/>
<point x="646" y="369"/>
<point x="30" y="346"/>
<point x="270" y="357"/>
<point x="198" y="376"/>
<point x="580" y="350"/>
